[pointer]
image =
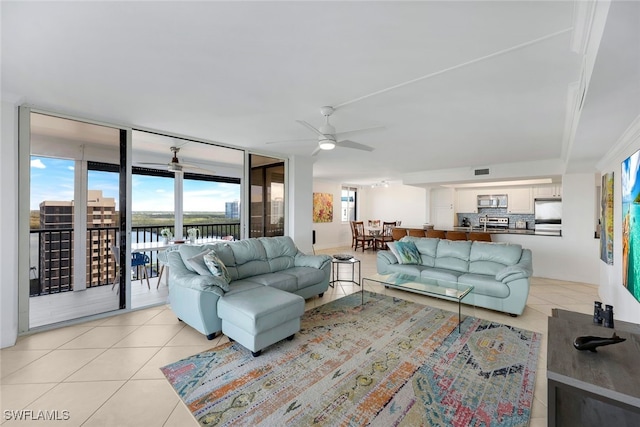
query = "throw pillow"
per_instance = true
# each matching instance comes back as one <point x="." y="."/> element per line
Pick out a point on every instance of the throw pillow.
<point x="408" y="253"/>
<point x="393" y="249"/>
<point x="217" y="267"/>
<point x="197" y="263"/>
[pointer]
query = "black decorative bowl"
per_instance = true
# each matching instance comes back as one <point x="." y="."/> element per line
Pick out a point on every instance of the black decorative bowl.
<point x="343" y="257"/>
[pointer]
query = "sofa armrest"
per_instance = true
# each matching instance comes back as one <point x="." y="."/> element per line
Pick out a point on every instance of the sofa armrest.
<point x="180" y="276"/>
<point x="522" y="270"/>
<point x="315" y="261"/>
<point x="387" y="257"/>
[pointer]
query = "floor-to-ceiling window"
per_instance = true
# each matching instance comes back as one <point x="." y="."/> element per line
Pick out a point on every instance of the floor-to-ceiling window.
<point x="73" y="219"/>
<point x="95" y="191"/>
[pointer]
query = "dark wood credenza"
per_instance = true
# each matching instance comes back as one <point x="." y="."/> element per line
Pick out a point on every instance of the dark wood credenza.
<point x="592" y="389"/>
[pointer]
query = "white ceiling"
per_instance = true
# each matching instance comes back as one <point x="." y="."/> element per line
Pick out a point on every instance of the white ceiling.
<point x="455" y="84"/>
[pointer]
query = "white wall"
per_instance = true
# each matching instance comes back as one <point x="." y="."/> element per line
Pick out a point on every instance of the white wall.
<point x="394" y="203"/>
<point x="625" y="306"/>
<point x="397" y="202"/>
<point x="9" y="226"/>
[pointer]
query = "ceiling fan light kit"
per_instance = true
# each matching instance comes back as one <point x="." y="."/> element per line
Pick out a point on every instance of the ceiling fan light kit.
<point x="328" y="137"/>
<point x="326" y="144"/>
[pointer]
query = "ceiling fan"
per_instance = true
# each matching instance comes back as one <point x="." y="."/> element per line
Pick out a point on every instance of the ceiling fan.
<point x="328" y="138"/>
<point x="174" y="165"/>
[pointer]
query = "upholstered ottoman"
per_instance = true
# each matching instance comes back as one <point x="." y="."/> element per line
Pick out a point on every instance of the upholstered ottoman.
<point x="260" y="317"/>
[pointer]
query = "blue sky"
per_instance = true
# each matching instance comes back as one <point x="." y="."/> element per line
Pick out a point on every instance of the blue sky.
<point x="52" y="179"/>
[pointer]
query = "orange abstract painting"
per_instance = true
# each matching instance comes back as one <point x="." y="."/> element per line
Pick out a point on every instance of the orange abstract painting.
<point x="322" y="207"/>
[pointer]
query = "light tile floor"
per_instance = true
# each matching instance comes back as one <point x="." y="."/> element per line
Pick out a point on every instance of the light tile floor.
<point x="106" y="372"/>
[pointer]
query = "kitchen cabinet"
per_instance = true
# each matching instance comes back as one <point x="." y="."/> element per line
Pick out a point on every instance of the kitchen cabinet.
<point x="466" y="200"/>
<point x="520" y="200"/>
<point x="551" y="190"/>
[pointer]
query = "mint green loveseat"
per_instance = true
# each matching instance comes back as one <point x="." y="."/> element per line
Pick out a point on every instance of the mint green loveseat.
<point x="499" y="272"/>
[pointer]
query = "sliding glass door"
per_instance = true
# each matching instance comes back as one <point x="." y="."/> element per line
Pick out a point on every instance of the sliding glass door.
<point x="267" y="192"/>
<point x="74" y="219"/>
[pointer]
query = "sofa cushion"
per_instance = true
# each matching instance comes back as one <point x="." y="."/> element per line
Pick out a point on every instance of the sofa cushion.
<point x="441" y="274"/>
<point x="250" y="258"/>
<point x="305" y="276"/>
<point x="485" y="285"/>
<point x="410" y="269"/>
<point x="279" y="280"/>
<point x="280" y="252"/>
<point x="248" y="250"/>
<point x="428" y="248"/>
<point x="453" y="255"/>
<point x="490" y="258"/>
<point x="241" y="285"/>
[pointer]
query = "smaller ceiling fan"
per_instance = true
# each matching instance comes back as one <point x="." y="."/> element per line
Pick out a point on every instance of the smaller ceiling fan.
<point x="328" y="139"/>
<point x="174" y="165"/>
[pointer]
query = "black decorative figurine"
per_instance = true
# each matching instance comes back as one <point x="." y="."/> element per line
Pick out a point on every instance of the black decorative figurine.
<point x="590" y="343"/>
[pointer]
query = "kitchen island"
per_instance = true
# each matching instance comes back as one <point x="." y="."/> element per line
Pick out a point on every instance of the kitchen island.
<point x="519" y="231"/>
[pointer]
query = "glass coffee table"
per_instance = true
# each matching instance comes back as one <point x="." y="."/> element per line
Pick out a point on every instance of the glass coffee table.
<point x="437" y="288"/>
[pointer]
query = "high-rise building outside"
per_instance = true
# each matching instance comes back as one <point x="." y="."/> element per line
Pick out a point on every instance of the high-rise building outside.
<point x="56" y="242"/>
<point x="232" y="209"/>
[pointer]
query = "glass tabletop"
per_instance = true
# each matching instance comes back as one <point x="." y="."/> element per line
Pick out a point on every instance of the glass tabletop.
<point x="427" y="286"/>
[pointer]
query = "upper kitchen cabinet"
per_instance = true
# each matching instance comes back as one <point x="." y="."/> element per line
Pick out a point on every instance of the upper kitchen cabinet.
<point x="520" y="200"/>
<point x="466" y="200"/>
<point x="551" y="190"/>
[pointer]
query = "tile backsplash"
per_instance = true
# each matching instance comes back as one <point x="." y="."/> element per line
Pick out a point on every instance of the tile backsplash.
<point x="474" y="218"/>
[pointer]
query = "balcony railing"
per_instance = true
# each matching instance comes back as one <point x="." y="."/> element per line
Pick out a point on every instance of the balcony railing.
<point x="52" y="254"/>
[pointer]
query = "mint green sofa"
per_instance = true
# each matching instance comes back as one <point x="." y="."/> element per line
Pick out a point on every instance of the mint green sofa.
<point x="499" y="272"/>
<point x="253" y="263"/>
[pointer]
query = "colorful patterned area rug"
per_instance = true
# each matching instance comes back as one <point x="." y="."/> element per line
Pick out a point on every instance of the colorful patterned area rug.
<point x="389" y="362"/>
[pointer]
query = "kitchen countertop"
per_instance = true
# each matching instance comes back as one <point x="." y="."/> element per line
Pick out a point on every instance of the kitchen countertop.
<point x="508" y="231"/>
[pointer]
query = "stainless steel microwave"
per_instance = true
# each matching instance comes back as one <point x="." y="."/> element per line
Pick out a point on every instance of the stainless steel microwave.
<point x="492" y="201"/>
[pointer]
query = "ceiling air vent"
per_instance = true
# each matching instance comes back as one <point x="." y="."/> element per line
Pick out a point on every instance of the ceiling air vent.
<point x="481" y="172"/>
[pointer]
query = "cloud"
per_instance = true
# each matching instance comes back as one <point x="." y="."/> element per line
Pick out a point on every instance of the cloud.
<point x="71" y="168"/>
<point x="160" y="190"/>
<point x="37" y="163"/>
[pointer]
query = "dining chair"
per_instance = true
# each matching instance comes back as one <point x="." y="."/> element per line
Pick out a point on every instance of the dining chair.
<point x="479" y="236"/>
<point x="374" y="223"/>
<point x="138" y="259"/>
<point x="385" y="236"/>
<point x="439" y="234"/>
<point x="361" y="238"/>
<point x="353" y="234"/>
<point x="456" y="235"/>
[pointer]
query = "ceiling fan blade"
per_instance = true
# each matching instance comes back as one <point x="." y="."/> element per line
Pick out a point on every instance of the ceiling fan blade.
<point x="346" y="143"/>
<point x="316" y="151"/>
<point x="191" y="166"/>
<point x="357" y="131"/>
<point x="308" y="126"/>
